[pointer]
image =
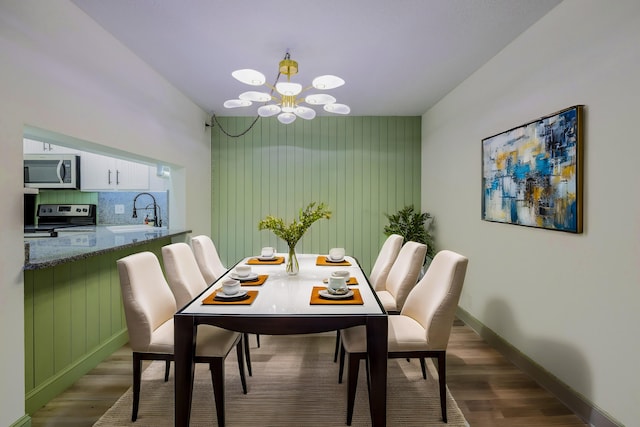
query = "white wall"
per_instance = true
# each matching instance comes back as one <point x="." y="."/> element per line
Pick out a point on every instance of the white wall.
<point x="62" y="72"/>
<point x="570" y="302"/>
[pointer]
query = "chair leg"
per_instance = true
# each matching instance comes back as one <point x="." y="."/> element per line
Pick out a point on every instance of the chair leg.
<point x="247" y="354"/>
<point x="137" y="372"/>
<point x="341" y="371"/>
<point x="258" y="339"/>
<point x="243" y="380"/>
<point x="335" y="351"/>
<point x="167" y="367"/>
<point x="352" y="384"/>
<point x="423" y="365"/>
<point x="442" y="381"/>
<point x="217" y="378"/>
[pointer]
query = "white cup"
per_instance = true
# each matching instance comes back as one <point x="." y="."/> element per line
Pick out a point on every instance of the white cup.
<point x="336" y="254"/>
<point x="341" y="273"/>
<point x="243" y="270"/>
<point x="230" y="286"/>
<point x="267" y="252"/>
<point x="337" y="285"/>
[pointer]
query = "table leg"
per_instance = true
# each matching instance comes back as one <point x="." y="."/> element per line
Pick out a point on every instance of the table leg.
<point x="184" y="346"/>
<point x="377" y="348"/>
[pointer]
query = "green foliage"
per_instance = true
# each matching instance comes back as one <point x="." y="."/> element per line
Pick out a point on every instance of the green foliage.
<point x="411" y="225"/>
<point x="293" y="232"/>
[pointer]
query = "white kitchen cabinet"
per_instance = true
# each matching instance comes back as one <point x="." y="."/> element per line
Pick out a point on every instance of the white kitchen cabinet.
<point x="100" y="172"/>
<point x="31" y="146"/>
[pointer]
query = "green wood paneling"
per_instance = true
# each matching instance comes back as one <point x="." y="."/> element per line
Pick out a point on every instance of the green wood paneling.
<point x="362" y="167"/>
<point x="73" y="319"/>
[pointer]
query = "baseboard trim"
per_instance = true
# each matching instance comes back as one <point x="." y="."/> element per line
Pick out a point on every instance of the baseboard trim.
<point x="577" y="403"/>
<point x="23" y="421"/>
<point x="41" y="395"/>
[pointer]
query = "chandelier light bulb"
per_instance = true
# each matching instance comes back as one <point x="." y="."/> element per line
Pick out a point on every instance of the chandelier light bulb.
<point x="286" y="118"/>
<point x="250" y="77"/>
<point x="235" y="103"/>
<point x="268" y="110"/>
<point x="327" y="82"/>
<point x="337" y="108"/>
<point x="255" y="96"/>
<point x="320" y="99"/>
<point x="288" y="88"/>
<point x="305" y="113"/>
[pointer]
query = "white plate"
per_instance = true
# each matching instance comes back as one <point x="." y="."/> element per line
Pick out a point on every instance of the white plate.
<point x="221" y="294"/>
<point x="326" y="294"/>
<point x="329" y="259"/>
<point x="249" y="278"/>
<point x="266" y="258"/>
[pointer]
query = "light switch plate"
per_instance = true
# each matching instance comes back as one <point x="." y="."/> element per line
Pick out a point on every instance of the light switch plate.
<point x="119" y="209"/>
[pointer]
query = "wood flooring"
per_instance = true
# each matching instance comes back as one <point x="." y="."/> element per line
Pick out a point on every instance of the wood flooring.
<point x="490" y="391"/>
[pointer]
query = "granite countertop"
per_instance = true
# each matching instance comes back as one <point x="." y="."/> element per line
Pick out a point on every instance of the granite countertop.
<point x="45" y="252"/>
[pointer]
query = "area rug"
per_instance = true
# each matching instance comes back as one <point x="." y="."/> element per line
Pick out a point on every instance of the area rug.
<point x="294" y="383"/>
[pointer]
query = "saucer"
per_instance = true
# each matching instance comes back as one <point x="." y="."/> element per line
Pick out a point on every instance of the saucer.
<point x="327" y="295"/>
<point x="222" y="295"/>
<point x="251" y="277"/>
<point x="329" y="259"/>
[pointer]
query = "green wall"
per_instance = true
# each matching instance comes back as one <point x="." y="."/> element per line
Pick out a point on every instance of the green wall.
<point x="74" y="318"/>
<point x="362" y="167"/>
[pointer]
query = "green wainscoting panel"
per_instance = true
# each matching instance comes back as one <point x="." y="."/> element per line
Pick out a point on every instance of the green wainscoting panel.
<point x="67" y="196"/>
<point x="361" y="167"/>
<point x="74" y="318"/>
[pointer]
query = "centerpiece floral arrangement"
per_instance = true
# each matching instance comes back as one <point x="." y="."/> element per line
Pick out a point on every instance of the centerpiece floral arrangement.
<point x="292" y="233"/>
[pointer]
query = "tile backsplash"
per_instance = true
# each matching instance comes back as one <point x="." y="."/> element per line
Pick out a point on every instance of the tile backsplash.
<point x="109" y="200"/>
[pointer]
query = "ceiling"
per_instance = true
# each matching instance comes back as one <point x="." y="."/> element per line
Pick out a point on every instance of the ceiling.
<point x="398" y="57"/>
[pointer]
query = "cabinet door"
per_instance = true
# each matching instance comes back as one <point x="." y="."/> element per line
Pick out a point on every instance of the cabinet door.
<point x="131" y="175"/>
<point x="97" y="172"/>
<point x="31" y="146"/>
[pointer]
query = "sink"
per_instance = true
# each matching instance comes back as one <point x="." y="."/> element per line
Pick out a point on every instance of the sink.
<point x="134" y="228"/>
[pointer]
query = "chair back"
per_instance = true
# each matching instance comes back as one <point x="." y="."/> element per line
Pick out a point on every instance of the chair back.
<point x="183" y="273"/>
<point x="404" y="273"/>
<point x="147" y="299"/>
<point x="207" y="258"/>
<point x="434" y="301"/>
<point x="387" y="255"/>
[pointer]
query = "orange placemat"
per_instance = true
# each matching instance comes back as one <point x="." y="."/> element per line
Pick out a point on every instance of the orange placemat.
<point x="322" y="260"/>
<point x="351" y="282"/>
<point x="276" y="261"/>
<point x="317" y="299"/>
<point x="211" y="299"/>
<point x="257" y="282"/>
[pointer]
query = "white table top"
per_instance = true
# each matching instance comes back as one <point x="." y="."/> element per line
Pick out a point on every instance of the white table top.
<point x="282" y="294"/>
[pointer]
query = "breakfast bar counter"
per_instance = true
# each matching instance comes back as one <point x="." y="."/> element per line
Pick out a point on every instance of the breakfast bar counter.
<point x="45" y="252"/>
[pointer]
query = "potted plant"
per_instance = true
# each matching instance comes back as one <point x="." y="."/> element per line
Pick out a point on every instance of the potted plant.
<point x="293" y="232"/>
<point x="412" y="226"/>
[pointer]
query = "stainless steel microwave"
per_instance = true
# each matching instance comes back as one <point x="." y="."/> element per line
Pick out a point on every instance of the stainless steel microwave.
<point x="52" y="171"/>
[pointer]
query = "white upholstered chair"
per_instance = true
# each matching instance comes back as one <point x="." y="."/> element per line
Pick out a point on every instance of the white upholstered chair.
<point x="381" y="267"/>
<point x="386" y="257"/>
<point x="211" y="266"/>
<point x="422" y="328"/>
<point x="207" y="258"/>
<point x="402" y="276"/>
<point x="149" y="306"/>
<point x="186" y="281"/>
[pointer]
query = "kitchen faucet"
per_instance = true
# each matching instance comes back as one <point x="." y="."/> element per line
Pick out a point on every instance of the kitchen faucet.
<point x="157" y="220"/>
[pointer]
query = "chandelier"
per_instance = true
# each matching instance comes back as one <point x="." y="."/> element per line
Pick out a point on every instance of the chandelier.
<point x="285" y="98"/>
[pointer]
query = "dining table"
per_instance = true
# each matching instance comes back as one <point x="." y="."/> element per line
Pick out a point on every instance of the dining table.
<point x="281" y="304"/>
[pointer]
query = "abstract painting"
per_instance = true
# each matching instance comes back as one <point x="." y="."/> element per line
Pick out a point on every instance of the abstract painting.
<point x="532" y="174"/>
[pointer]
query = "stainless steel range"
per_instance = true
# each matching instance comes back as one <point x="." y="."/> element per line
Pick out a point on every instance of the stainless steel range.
<point x="56" y="217"/>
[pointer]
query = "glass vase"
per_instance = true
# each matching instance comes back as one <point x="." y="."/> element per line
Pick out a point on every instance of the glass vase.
<point x="292" y="262"/>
